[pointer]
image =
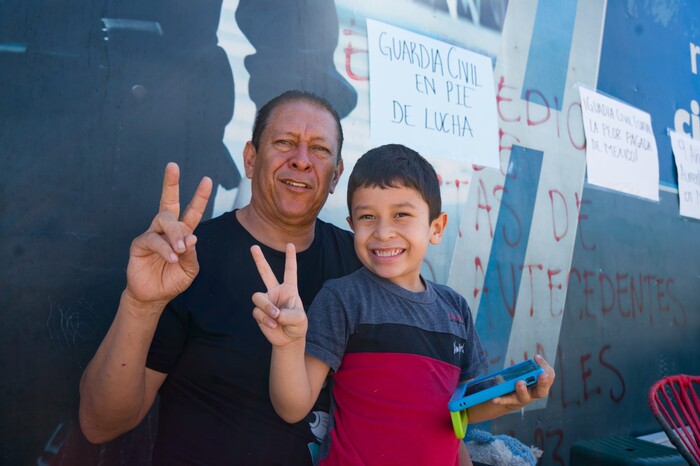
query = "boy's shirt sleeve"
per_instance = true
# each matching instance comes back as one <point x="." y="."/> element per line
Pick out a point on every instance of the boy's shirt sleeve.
<point x="329" y="329"/>
<point x="475" y="362"/>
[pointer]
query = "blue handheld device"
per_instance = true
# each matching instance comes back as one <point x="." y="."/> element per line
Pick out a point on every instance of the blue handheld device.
<point x="488" y="387"/>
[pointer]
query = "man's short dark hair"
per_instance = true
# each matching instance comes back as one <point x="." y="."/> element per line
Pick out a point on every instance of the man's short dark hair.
<point x="263" y="115"/>
<point x="393" y="166"/>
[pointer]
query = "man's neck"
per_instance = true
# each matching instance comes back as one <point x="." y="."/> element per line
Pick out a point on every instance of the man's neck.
<point x="274" y="234"/>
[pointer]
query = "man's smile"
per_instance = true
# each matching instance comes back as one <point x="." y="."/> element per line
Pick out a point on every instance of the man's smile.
<point x="296" y="184"/>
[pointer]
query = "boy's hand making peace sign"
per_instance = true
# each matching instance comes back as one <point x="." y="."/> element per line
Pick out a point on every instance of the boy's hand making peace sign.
<point x="295" y="378"/>
<point x="279" y="312"/>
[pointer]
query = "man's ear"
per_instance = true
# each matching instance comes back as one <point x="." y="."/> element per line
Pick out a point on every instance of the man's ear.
<point x="437" y="228"/>
<point x="249" y="153"/>
<point x="349" y="219"/>
<point x="336" y="175"/>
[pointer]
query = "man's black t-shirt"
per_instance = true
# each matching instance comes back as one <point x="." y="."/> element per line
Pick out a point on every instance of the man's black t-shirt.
<point x="214" y="405"/>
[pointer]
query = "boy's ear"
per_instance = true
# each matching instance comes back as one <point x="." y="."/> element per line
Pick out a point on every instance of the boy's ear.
<point x="437" y="228"/>
<point x="349" y="219"/>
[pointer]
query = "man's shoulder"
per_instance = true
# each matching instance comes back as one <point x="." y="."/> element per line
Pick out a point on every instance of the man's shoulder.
<point x="213" y="223"/>
<point x="335" y="246"/>
<point x="225" y="225"/>
<point x="222" y="237"/>
<point x="329" y="230"/>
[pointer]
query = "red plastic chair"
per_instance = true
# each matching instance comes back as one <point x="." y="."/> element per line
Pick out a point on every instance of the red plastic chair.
<point x="675" y="402"/>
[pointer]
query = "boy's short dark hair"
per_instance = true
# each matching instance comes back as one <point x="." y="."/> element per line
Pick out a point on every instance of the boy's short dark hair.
<point x="395" y="165"/>
<point x="263" y="115"/>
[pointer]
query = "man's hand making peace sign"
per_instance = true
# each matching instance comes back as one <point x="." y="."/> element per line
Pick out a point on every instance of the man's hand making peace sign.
<point x="163" y="260"/>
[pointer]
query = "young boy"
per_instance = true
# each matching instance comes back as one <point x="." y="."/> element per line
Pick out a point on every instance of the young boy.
<point x="396" y="344"/>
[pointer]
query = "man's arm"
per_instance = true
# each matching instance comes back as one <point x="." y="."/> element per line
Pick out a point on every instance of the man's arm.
<point x="296" y="379"/>
<point x="117" y="390"/>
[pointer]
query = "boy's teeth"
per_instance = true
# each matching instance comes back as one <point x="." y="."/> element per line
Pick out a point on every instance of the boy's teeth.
<point x="387" y="252"/>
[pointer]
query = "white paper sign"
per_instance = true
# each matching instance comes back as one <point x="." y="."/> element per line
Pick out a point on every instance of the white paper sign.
<point x="687" y="154"/>
<point x="431" y="96"/>
<point x="621" y="152"/>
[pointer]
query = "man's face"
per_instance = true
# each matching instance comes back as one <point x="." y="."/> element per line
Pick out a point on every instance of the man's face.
<point x="296" y="165"/>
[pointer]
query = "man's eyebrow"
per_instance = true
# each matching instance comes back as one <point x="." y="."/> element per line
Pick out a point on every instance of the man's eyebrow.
<point x="284" y="133"/>
<point x="328" y="142"/>
<point x="296" y="134"/>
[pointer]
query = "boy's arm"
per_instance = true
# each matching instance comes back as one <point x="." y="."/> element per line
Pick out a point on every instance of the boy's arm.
<point x="463" y="455"/>
<point x="295" y="382"/>
<point x="295" y="379"/>
<point x="522" y="396"/>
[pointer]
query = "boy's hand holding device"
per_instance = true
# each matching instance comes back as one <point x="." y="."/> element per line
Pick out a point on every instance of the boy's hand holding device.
<point x="499" y="387"/>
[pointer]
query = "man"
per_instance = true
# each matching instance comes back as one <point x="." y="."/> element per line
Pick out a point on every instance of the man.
<point x="192" y="340"/>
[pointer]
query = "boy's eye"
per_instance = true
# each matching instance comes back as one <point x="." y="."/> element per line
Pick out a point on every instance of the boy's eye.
<point x="366" y="217"/>
<point x="403" y="214"/>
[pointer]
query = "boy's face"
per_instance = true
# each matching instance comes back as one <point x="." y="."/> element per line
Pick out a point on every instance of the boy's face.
<point x="392" y="232"/>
